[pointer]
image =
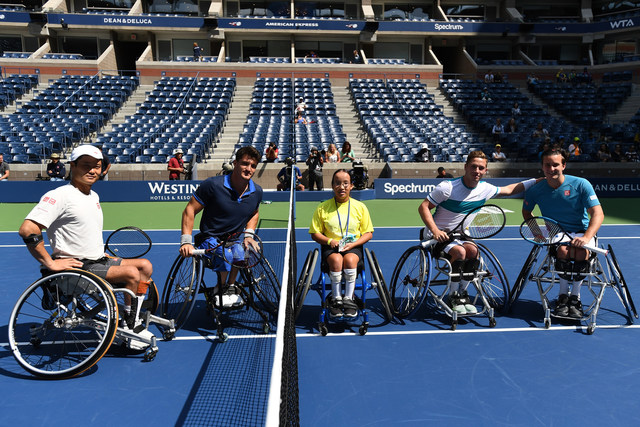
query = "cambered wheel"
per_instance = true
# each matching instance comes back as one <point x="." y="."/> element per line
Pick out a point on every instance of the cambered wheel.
<point x="621" y="283"/>
<point x="522" y="278"/>
<point x="63" y="324"/>
<point x="410" y="281"/>
<point x="266" y="286"/>
<point x="181" y="289"/>
<point x="495" y="284"/>
<point x="381" y="286"/>
<point x="304" y="282"/>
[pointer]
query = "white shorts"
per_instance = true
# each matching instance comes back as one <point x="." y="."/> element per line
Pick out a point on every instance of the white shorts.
<point x="567" y="237"/>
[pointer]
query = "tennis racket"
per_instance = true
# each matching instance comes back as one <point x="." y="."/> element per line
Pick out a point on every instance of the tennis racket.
<point x="128" y="242"/>
<point x="480" y="223"/>
<point x="241" y="250"/>
<point x="544" y="231"/>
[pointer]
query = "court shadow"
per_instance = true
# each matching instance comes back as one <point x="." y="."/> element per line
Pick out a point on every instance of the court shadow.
<point x="10" y="368"/>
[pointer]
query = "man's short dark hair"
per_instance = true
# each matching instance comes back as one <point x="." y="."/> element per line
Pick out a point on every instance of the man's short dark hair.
<point x="553" y="152"/>
<point x="440" y="169"/>
<point x="249" y="151"/>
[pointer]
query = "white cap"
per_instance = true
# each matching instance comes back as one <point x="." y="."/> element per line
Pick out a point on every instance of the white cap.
<point x="178" y="151"/>
<point x="85" y="150"/>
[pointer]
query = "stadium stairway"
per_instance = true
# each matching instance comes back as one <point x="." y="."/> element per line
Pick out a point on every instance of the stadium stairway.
<point x="628" y="108"/>
<point x="129" y="108"/>
<point x="234" y="124"/>
<point x="447" y="107"/>
<point x="346" y="112"/>
<point x="11" y="108"/>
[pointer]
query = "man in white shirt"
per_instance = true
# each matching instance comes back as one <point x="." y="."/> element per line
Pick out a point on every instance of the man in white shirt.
<point x="72" y="216"/>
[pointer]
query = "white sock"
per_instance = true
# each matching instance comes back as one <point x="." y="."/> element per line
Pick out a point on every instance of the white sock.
<point x="350" y="281"/>
<point x="127" y="309"/>
<point x="336" y="278"/>
<point x="563" y="285"/>
<point x="575" y="289"/>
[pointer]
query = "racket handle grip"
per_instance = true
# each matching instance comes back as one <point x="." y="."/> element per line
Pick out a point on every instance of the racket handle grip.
<point x="426" y="244"/>
<point x="197" y="252"/>
<point x="596" y="249"/>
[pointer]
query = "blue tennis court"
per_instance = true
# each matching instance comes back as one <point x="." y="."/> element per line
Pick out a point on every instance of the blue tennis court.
<point x="412" y="372"/>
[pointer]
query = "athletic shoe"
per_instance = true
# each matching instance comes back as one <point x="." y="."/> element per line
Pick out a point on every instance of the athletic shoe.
<point x="562" y="306"/>
<point x="575" y="307"/>
<point x="466" y="302"/>
<point x="350" y="308"/>
<point x="142" y="342"/>
<point x="335" y="307"/>
<point x="455" y="304"/>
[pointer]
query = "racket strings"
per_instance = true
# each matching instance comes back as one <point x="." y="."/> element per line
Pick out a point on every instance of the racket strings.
<point x="540" y="231"/>
<point x="128" y="243"/>
<point x="488" y="221"/>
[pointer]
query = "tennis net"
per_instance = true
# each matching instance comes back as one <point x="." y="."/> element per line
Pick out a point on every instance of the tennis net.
<point x="283" y="404"/>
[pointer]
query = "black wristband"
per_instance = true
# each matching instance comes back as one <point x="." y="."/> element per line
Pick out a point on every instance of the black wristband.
<point x="32" y="239"/>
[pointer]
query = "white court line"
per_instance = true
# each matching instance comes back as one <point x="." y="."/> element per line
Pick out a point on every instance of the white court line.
<point x="400" y="333"/>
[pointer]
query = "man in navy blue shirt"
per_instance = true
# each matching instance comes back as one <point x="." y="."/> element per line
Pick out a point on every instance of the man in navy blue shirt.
<point x="229" y="204"/>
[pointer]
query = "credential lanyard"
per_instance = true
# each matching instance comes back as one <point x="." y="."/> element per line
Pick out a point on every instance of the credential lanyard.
<point x="346" y="230"/>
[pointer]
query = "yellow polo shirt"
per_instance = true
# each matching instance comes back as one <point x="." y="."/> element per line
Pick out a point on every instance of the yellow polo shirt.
<point x="330" y="219"/>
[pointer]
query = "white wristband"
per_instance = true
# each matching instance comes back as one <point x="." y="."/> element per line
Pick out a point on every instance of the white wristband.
<point x="249" y="230"/>
<point x="185" y="239"/>
<point x="528" y="183"/>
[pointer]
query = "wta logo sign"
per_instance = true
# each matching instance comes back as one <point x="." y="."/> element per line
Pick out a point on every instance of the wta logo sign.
<point x="622" y="23"/>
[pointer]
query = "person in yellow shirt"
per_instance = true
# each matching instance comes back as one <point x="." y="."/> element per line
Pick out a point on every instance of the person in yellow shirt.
<point x="342" y="225"/>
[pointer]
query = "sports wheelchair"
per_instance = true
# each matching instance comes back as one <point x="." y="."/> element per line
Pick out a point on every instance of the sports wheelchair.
<point x="420" y="273"/>
<point x="64" y="322"/>
<point x="599" y="273"/>
<point x="260" y="290"/>
<point x="323" y="287"/>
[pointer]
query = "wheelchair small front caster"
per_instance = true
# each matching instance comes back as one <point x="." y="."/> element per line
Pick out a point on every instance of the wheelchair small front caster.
<point x="492" y="322"/>
<point x="150" y="353"/>
<point x="223" y="337"/>
<point x="363" y="329"/>
<point x="590" y="329"/>
<point x="547" y="323"/>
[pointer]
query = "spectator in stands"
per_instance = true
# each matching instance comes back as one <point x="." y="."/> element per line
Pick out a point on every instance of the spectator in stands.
<point x="489" y="78"/>
<point x="561" y="76"/>
<point x="55" y="169"/>
<point x="332" y="155"/>
<point x="485" y="96"/>
<point x="512" y="126"/>
<point x="617" y="155"/>
<point x="545" y="146"/>
<point x="271" y="153"/>
<point x="346" y="154"/>
<point x="540" y="132"/>
<point x="575" y="148"/>
<point x="603" y="154"/>
<point x="498" y="77"/>
<point x="4" y="169"/>
<point x="315" y="162"/>
<point x="197" y="52"/>
<point x="632" y="154"/>
<point x="560" y="142"/>
<point x="301" y="106"/>
<point x="497" y="130"/>
<point x="301" y="119"/>
<point x="311" y="54"/>
<point x="356" y="57"/>
<point x="176" y="165"/>
<point x="284" y="176"/>
<point x="424" y="155"/>
<point x="498" y="155"/>
<point x="515" y="110"/>
<point x="106" y="165"/>
<point x="572" y="77"/>
<point x="532" y="81"/>
<point x="443" y="174"/>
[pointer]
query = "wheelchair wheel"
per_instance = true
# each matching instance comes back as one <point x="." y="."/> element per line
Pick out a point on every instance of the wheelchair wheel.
<point x="63" y="324"/>
<point x="621" y="283"/>
<point x="304" y="282"/>
<point x="495" y="285"/>
<point x="266" y="287"/>
<point x="410" y="281"/>
<point x="181" y="289"/>
<point x="381" y="286"/>
<point x="523" y="276"/>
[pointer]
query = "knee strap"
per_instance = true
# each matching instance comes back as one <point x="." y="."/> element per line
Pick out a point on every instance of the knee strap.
<point x="456" y="270"/>
<point x="564" y="268"/>
<point x="580" y="268"/>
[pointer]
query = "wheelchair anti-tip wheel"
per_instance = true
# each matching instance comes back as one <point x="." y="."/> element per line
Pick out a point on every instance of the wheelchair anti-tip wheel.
<point x="63" y="324"/>
<point x="410" y="281"/>
<point x="181" y="289"/>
